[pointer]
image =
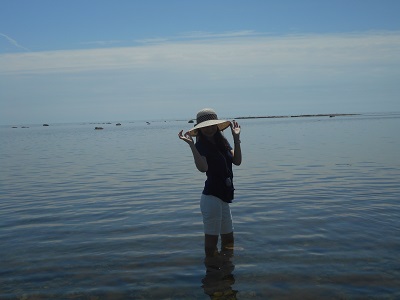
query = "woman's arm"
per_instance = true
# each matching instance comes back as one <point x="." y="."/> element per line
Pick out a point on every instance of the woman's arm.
<point x="237" y="151"/>
<point x="237" y="154"/>
<point x="199" y="160"/>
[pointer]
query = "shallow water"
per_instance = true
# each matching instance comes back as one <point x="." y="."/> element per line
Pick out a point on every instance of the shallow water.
<point x="114" y="214"/>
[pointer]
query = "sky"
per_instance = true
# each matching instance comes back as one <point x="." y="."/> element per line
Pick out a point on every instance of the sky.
<point x="120" y="60"/>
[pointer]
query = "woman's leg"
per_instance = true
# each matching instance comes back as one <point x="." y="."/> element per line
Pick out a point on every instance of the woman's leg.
<point x="212" y="216"/>
<point x="227" y="242"/>
<point x="227" y="239"/>
<point x="210" y="245"/>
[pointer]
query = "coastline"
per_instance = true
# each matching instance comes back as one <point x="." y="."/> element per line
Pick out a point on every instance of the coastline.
<point x="297" y="116"/>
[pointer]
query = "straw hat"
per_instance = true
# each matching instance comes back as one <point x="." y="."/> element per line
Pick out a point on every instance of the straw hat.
<point x="208" y="117"/>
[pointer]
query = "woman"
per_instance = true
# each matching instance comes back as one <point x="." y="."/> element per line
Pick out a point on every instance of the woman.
<point x="213" y="155"/>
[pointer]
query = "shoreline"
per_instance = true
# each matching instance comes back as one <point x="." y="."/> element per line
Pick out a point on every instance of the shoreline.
<point x="297" y="116"/>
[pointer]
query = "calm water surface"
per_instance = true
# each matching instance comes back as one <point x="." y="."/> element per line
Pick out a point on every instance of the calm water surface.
<point x="114" y="214"/>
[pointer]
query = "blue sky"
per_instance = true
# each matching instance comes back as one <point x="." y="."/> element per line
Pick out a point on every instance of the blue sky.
<point x="92" y="60"/>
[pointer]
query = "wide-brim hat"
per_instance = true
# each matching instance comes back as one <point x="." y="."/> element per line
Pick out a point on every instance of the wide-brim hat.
<point x="208" y="117"/>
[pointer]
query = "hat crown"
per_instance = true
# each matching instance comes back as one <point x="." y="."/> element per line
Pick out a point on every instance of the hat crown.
<point x="208" y="117"/>
<point x="206" y="114"/>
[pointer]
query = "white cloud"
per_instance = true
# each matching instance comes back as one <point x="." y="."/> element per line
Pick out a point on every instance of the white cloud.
<point x="240" y="52"/>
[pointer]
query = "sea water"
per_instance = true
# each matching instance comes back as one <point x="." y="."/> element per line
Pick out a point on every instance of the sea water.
<point x="114" y="213"/>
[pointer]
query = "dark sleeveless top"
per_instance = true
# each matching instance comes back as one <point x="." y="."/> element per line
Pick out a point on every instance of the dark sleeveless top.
<point x="219" y="181"/>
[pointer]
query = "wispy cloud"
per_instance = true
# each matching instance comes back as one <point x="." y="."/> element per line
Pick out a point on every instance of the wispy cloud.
<point x="225" y="53"/>
<point x="230" y="34"/>
<point x="186" y="36"/>
<point x="102" y="43"/>
<point x="200" y="35"/>
<point x="14" y="42"/>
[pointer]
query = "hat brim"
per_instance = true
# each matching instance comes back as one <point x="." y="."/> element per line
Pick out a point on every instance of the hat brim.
<point x="222" y="125"/>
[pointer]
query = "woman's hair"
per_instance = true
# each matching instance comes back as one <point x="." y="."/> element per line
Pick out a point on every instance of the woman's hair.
<point x="220" y="141"/>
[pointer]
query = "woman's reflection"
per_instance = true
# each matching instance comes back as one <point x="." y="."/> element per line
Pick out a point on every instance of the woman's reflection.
<point x="219" y="279"/>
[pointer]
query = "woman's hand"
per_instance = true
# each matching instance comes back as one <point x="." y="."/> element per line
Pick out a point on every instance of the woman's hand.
<point x="235" y="128"/>
<point x="186" y="137"/>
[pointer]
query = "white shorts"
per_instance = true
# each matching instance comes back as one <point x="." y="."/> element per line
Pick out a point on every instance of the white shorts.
<point x="217" y="217"/>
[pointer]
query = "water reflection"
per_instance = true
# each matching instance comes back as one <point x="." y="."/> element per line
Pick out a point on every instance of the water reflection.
<point x="218" y="281"/>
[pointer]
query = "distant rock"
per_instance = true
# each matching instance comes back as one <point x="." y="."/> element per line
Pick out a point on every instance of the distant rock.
<point x="118" y="124"/>
<point x="98" y="128"/>
<point x="45" y="124"/>
<point x="191" y="121"/>
<point x="14" y="127"/>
